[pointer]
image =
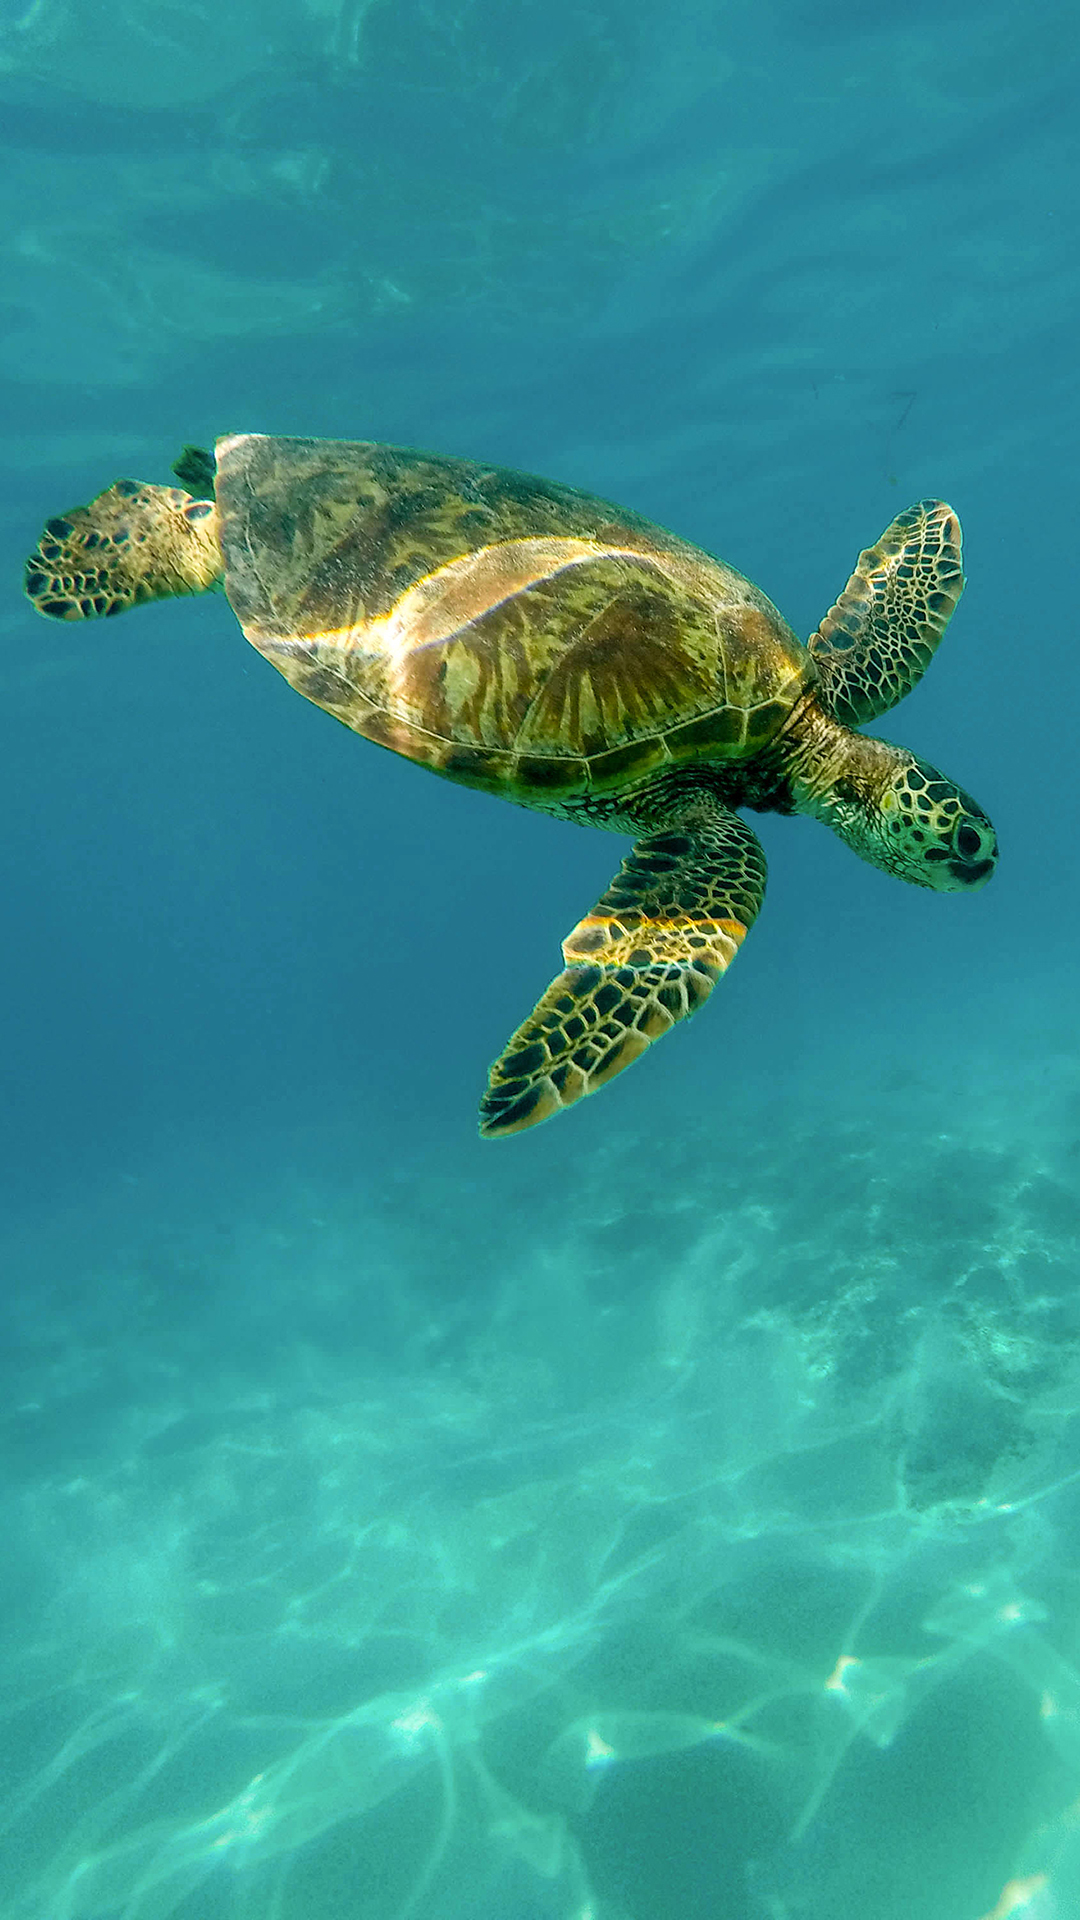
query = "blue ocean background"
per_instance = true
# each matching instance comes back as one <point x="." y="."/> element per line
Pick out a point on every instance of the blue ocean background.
<point x="672" y="1513"/>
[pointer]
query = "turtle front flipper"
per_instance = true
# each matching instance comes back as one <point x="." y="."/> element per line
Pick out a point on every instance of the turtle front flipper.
<point x="876" y="643"/>
<point x="135" y="542"/>
<point x="647" y="956"/>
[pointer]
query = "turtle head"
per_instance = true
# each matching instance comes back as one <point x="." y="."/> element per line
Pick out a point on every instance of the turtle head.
<point x="930" y="831"/>
<point x="896" y="811"/>
<point x="901" y="814"/>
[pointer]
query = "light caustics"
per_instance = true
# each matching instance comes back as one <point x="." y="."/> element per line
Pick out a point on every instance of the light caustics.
<point x="127" y="1827"/>
<point x="431" y="1634"/>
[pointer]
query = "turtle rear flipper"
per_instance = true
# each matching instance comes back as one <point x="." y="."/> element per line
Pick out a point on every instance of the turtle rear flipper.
<point x="876" y="643"/>
<point x="135" y="542"/>
<point x="647" y="956"/>
<point x="197" y="468"/>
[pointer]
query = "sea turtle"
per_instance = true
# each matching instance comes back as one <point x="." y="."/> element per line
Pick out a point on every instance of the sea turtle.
<point x="526" y="639"/>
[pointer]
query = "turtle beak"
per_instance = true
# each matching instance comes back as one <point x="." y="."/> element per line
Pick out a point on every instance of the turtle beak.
<point x="974" y="855"/>
<point x="974" y="875"/>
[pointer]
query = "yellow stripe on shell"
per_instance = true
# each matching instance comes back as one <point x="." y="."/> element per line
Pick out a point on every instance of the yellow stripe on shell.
<point x="445" y="602"/>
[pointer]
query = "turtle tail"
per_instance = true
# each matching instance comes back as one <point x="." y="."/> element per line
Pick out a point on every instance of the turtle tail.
<point x="135" y="542"/>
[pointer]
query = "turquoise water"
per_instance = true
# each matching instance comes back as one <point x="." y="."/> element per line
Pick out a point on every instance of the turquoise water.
<point x="672" y="1513"/>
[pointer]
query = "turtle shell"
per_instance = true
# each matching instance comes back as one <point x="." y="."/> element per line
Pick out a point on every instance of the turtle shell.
<point x="513" y="634"/>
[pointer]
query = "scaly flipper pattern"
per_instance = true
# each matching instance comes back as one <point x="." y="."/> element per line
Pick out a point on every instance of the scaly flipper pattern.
<point x="876" y="643"/>
<point x="135" y="542"/>
<point x="647" y="956"/>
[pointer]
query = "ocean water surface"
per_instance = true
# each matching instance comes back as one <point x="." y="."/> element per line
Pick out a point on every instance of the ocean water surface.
<point x="672" y="1513"/>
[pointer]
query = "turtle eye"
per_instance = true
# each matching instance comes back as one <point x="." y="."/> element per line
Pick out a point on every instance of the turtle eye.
<point x="971" y="842"/>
